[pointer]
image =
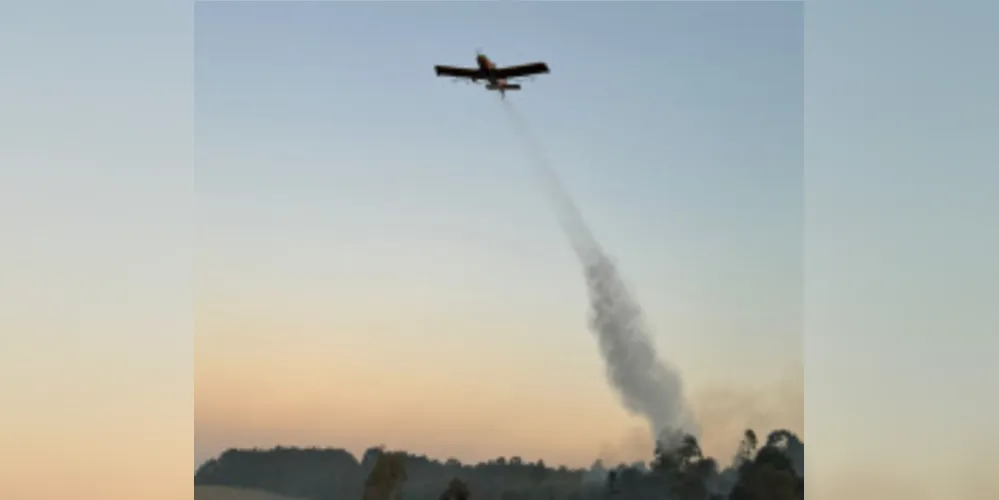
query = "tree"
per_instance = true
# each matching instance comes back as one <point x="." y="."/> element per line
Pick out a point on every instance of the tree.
<point x="456" y="490"/>
<point x="386" y="478"/>
<point x="772" y="474"/>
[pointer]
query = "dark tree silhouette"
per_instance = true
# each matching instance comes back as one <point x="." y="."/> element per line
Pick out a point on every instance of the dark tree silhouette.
<point x="773" y="473"/>
<point x="678" y="470"/>
<point x="456" y="490"/>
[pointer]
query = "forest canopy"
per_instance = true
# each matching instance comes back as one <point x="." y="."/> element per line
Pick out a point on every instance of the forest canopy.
<point x="771" y="469"/>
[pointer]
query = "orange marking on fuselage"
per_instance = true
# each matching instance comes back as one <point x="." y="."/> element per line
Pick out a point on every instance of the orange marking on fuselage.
<point x="486" y="64"/>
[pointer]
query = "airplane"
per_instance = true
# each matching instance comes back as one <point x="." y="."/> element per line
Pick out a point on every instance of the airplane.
<point x="496" y="77"/>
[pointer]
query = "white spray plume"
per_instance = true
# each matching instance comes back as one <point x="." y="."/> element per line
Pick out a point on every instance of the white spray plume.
<point x="646" y="385"/>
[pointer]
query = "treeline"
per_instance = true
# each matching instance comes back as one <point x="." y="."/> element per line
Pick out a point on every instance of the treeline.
<point x="771" y="470"/>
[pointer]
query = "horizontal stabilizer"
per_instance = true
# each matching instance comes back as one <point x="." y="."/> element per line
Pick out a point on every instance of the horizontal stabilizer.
<point x="504" y="87"/>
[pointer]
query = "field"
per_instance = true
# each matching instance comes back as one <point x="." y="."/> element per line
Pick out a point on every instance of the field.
<point x="224" y="493"/>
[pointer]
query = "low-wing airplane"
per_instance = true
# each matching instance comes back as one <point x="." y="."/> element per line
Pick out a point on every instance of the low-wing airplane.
<point x="497" y="78"/>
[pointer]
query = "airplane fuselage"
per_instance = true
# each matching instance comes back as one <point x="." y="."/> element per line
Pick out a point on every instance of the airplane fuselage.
<point x="487" y="68"/>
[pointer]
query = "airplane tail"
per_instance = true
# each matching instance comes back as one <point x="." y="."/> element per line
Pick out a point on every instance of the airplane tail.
<point x="514" y="86"/>
<point x="503" y="88"/>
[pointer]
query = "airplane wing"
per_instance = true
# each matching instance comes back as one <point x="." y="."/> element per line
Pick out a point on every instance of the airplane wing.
<point x="521" y="70"/>
<point x="457" y="72"/>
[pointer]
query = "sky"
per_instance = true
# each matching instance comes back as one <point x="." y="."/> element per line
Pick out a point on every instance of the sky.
<point x="99" y="267"/>
<point x="375" y="262"/>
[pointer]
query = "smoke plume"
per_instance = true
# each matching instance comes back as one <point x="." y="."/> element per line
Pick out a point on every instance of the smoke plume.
<point x="646" y="385"/>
